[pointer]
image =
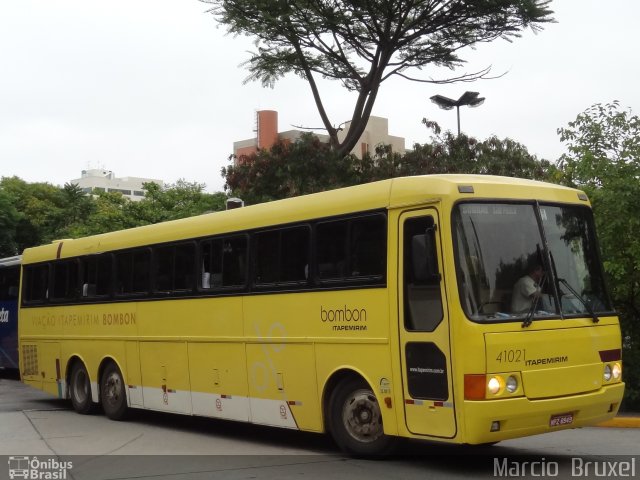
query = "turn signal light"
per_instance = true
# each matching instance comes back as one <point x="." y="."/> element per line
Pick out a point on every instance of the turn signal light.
<point x="474" y="386"/>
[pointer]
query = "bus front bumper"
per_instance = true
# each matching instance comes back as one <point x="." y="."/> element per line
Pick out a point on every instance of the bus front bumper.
<point x="519" y="417"/>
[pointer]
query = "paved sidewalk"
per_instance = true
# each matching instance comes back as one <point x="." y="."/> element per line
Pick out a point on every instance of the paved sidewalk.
<point x="622" y="421"/>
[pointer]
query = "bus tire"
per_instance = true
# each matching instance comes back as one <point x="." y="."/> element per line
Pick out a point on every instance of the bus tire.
<point x="80" y="389"/>
<point x="356" y="420"/>
<point x="113" y="393"/>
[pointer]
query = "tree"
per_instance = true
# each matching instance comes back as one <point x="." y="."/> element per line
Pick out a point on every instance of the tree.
<point x="449" y="153"/>
<point x="77" y="207"/>
<point x="289" y="169"/>
<point x="604" y="146"/>
<point x="9" y="218"/>
<point x="308" y="165"/>
<point x="36" y="213"/>
<point x="363" y="43"/>
<point x="113" y="211"/>
<point x="41" y="211"/>
<point x="604" y="159"/>
<point x="173" y="201"/>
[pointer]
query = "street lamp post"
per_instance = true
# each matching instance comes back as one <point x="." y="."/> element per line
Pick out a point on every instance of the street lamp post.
<point x="468" y="98"/>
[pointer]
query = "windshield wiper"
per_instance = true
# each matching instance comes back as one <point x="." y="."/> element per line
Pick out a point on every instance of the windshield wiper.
<point x="580" y="299"/>
<point x="529" y="318"/>
<point x="534" y="304"/>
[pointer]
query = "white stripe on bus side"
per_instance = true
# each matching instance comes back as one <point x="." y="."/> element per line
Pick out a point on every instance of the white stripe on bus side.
<point x="228" y="407"/>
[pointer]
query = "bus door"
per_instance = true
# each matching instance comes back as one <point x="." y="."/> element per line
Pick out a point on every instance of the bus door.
<point x="424" y="328"/>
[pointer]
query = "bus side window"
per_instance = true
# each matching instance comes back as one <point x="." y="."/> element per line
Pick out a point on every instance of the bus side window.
<point x="234" y="262"/>
<point x="267" y="257"/>
<point x="36" y="283"/>
<point x="223" y="263"/>
<point x="368" y="246"/>
<point x="96" y="274"/>
<point x="422" y="297"/>
<point x="184" y="269"/>
<point x="331" y="249"/>
<point x="133" y="272"/>
<point x="9" y="278"/>
<point x="65" y="280"/>
<point x="281" y="255"/>
<point x="352" y="249"/>
<point x="174" y="268"/>
<point x="294" y="260"/>
<point x="211" y="264"/>
<point x="163" y="260"/>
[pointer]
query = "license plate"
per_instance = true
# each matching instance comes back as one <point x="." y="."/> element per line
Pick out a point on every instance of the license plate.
<point x="560" y="420"/>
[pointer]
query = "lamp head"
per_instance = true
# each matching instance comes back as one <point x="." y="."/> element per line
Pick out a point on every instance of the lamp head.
<point x="443" y="102"/>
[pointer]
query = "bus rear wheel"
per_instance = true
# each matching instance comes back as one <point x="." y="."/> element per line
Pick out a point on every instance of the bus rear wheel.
<point x="112" y="393"/>
<point x="356" y="420"/>
<point x="80" y="389"/>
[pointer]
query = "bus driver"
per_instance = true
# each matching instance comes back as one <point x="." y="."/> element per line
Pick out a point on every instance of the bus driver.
<point x="527" y="289"/>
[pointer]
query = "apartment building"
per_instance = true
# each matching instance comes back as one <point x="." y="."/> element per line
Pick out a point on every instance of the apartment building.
<point x="267" y="134"/>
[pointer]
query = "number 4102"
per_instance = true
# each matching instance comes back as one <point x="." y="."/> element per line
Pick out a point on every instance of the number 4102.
<point x="511" y="356"/>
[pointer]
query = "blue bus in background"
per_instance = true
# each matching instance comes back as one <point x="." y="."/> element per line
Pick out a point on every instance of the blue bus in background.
<point x="9" y="282"/>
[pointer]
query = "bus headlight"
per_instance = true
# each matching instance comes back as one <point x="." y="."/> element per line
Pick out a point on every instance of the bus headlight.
<point x="607" y="373"/>
<point x="494" y="385"/>
<point x="616" y="371"/>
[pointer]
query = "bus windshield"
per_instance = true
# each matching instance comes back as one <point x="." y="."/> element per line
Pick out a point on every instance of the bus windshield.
<point x="504" y="271"/>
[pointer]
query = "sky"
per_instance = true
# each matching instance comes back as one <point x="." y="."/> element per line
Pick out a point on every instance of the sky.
<point x="155" y="88"/>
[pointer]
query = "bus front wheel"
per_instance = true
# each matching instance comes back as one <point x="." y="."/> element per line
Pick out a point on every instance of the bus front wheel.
<point x="80" y="389"/>
<point x="112" y="393"/>
<point x="356" y="421"/>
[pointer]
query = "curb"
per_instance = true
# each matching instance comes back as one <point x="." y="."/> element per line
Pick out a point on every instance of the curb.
<point x="621" y="422"/>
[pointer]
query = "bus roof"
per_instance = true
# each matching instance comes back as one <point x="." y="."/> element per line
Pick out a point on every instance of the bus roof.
<point x="383" y="194"/>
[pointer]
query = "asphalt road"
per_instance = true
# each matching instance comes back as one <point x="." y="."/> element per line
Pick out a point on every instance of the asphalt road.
<point x="161" y="446"/>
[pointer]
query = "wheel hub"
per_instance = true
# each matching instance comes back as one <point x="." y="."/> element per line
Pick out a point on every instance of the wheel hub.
<point x="113" y="389"/>
<point x="362" y="417"/>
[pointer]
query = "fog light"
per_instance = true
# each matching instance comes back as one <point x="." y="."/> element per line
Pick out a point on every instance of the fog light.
<point x="512" y="384"/>
<point x="616" y="371"/>
<point x="494" y="385"/>
<point x="607" y="373"/>
<point x="495" y="426"/>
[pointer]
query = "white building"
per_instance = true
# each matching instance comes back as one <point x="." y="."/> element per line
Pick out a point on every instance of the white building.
<point x="94" y="181"/>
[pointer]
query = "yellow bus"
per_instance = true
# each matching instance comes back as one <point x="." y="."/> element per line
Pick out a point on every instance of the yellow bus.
<point x="455" y="308"/>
